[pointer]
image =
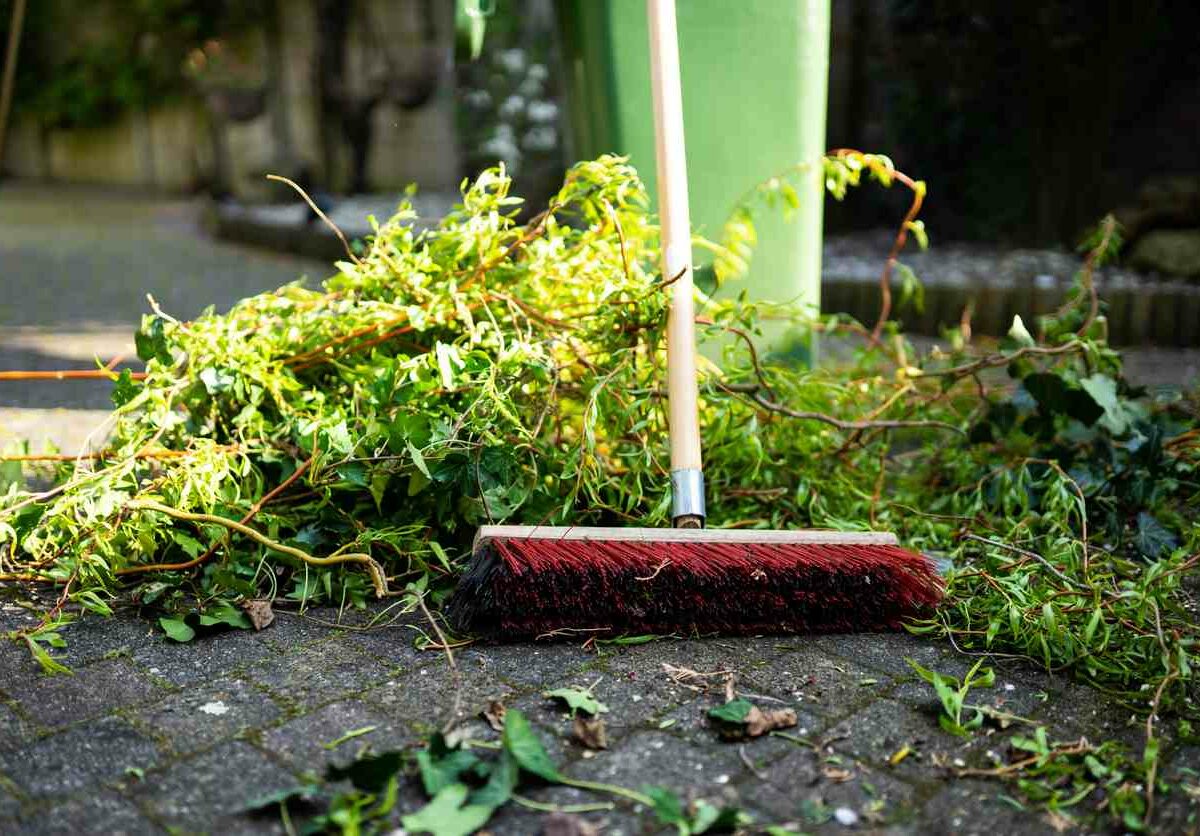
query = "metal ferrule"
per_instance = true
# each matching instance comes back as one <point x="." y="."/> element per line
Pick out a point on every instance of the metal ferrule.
<point x="687" y="493"/>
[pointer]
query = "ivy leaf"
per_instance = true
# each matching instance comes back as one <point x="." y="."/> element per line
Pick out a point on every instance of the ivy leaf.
<point x="520" y="741"/>
<point x="446" y="815"/>
<point x="225" y="613"/>
<point x="577" y="699"/>
<point x="667" y="805"/>
<point x="501" y="782"/>
<point x="733" y="712"/>
<point x="441" y="766"/>
<point x="177" y="629"/>
<point x="1103" y="390"/>
<point x="1153" y="539"/>
<point x="369" y="774"/>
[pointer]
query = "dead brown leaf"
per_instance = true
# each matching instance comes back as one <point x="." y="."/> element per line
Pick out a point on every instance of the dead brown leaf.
<point x="565" y="824"/>
<point x="838" y="776"/>
<point x="759" y="722"/>
<point x="1059" y="822"/>
<point x="494" y="714"/>
<point x="698" y="681"/>
<point x="590" y="731"/>
<point x="258" y="610"/>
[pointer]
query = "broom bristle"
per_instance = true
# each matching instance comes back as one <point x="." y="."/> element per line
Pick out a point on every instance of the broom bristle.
<point x="523" y="586"/>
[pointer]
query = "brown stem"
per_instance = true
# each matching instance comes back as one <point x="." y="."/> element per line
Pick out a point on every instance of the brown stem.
<point x="68" y="374"/>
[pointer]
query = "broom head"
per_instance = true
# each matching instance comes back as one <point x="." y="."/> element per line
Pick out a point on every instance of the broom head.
<point x="530" y="581"/>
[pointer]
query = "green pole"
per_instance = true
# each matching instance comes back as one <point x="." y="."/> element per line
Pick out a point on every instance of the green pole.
<point x="755" y="76"/>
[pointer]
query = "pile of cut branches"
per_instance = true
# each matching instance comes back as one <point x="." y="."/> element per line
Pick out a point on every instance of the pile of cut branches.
<point x="330" y="444"/>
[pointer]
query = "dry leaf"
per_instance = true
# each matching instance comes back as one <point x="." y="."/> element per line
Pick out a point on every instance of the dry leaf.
<point x="759" y="722"/>
<point x="258" y="610"/>
<point x="494" y="714"/>
<point x="590" y="732"/>
<point x="838" y="776"/>
<point x="565" y="824"/>
<point x="1059" y="822"/>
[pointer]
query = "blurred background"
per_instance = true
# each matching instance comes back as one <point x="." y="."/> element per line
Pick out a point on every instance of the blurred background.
<point x="135" y="136"/>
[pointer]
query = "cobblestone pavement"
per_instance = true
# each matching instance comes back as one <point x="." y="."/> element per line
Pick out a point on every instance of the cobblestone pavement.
<point x="149" y="736"/>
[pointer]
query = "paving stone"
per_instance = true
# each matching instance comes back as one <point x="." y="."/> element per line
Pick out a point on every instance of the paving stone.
<point x="78" y="758"/>
<point x="208" y="713"/>
<point x="206" y="658"/>
<point x="92" y="690"/>
<point x="207" y="792"/>
<point x="662" y="759"/>
<point x="972" y="808"/>
<point x="528" y="665"/>
<point x="291" y="630"/>
<point x="14" y="731"/>
<point x="514" y="820"/>
<point x="393" y="643"/>
<point x="102" y="813"/>
<point x="805" y="787"/>
<point x="823" y="688"/>
<point x="301" y="742"/>
<point x="94" y="637"/>
<point x="886" y="652"/>
<point x="318" y="674"/>
<point x="874" y="734"/>
<point x="423" y="697"/>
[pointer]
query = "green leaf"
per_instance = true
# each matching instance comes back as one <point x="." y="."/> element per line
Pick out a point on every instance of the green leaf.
<point x="447" y="815"/>
<point x="369" y="774"/>
<point x="440" y="766"/>
<point x="667" y="805"/>
<point x="299" y="792"/>
<point x="577" y="699"/>
<point x="733" y="712"/>
<point x="1153" y="539"/>
<point x="177" y="629"/>
<point x="418" y="459"/>
<point x="502" y="780"/>
<point x="1103" y="390"/>
<point x="519" y="740"/>
<point x="125" y="388"/>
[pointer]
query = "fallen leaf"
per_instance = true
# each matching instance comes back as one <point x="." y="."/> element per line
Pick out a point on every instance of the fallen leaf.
<point x="494" y="714"/>
<point x="565" y="824"/>
<point x="838" y="776"/>
<point x="759" y="722"/>
<point x="1059" y="822"/>
<point x="259" y="612"/>
<point x="590" y="732"/>
<point x="578" y="699"/>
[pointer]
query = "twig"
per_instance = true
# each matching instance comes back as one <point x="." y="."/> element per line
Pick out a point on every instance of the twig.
<point x="852" y="425"/>
<point x="108" y="454"/>
<point x="455" y="675"/>
<point x="376" y="571"/>
<point x="993" y="360"/>
<point x="665" y="563"/>
<point x="300" y="191"/>
<point x="749" y="764"/>
<point x="1049" y="566"/>
<point x="68" y="374"/>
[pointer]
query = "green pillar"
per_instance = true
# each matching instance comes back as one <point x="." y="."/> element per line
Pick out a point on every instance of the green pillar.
<point x="755" y="76"/>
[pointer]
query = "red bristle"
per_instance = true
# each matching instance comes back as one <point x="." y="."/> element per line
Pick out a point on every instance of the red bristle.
<point x="520" y="587"/>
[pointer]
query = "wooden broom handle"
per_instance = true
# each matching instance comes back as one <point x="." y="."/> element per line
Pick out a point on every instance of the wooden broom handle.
<point x="676" y="234"/>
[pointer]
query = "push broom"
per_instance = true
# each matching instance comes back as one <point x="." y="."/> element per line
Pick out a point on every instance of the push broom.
<point x="525" y="581"/>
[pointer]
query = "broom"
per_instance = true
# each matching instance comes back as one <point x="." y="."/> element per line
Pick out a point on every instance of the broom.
<point x="526" y="581"/>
